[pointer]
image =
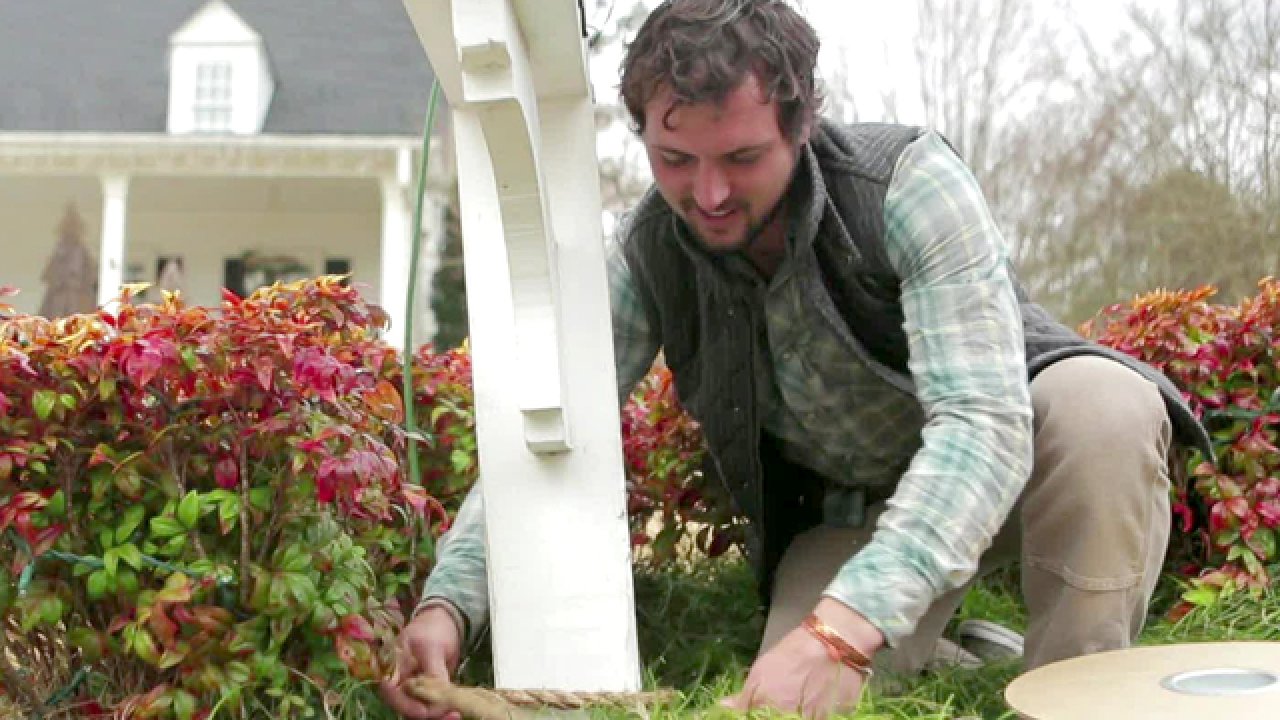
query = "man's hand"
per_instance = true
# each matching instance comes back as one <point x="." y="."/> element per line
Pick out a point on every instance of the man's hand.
<point x="798" y="675"/>
<point x="431" y="643"/>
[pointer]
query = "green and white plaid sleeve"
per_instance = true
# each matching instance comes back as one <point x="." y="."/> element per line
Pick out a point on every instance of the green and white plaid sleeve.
<point x="459" y="576"/>
<point x="635" y="344"/>
<point x="967" y="359"/>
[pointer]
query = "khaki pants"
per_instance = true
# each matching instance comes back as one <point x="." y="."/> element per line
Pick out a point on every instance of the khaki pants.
<point x="1091" y="527"/>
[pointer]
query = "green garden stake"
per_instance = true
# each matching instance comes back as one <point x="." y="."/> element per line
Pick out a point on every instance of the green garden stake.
<point x="66" y="691"/>
<point x="24" y="580"/>
<point x="415" y="230"/>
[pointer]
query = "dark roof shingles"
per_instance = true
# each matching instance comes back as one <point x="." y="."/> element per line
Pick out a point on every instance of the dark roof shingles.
<point x="340" y="67"/>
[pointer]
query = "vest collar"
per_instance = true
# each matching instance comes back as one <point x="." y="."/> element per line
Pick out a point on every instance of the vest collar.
<point x="807" y="196"/>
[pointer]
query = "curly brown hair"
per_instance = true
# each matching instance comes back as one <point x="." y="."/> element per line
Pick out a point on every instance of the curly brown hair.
<point x="702" y="49"/>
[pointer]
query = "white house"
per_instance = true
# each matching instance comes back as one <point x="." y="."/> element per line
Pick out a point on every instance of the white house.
<point x="210" y="144"/>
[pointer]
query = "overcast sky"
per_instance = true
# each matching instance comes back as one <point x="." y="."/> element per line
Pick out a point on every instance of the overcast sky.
<point x="877" y="38"/>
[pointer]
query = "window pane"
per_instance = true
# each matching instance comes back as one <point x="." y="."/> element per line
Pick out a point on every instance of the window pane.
<point x="212" y="108"/>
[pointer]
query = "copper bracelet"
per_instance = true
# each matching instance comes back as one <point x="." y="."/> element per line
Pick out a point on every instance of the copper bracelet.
<point x="838" y="648"/>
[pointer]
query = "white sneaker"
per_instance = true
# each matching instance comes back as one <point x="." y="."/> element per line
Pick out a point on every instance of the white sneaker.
<point x="947" y="654"/>
<point x="989" y="641"/>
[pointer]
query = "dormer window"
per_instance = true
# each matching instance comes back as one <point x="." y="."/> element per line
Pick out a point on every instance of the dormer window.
<point x="212" y="111"/>
<point x="219" y="77"/>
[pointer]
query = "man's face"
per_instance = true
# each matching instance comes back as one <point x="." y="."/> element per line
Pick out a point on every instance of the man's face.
<point x="722" y="167"/>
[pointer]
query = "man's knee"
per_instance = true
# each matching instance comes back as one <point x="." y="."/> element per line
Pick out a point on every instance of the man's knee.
<point x="1095" y="513"/>
<point x="1100" y="416"/>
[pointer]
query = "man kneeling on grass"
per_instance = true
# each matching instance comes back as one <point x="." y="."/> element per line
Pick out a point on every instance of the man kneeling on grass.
<point x="886" y="407"/>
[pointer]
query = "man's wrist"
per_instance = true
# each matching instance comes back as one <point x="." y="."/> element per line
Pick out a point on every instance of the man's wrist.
<point x="850" y="625"/>
<point x="459" y="620"/>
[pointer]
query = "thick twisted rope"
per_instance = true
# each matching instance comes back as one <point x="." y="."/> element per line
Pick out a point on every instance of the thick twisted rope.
<point x="486" y="704"/>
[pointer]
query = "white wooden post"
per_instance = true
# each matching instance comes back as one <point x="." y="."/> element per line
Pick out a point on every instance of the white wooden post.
<point x="111" y="254"/>
<point x="515" y="75"/>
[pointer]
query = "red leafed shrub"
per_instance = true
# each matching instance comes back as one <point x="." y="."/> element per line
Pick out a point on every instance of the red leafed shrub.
<point x="206" y="507"/>
<point x="668" y="494"/>
<point x="1226" y="360"/>
<point x="446" y="416"/>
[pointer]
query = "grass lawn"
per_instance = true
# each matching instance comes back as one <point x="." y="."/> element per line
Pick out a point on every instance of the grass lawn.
<point x="698" y="633"/>
<point x="698" y="630"/>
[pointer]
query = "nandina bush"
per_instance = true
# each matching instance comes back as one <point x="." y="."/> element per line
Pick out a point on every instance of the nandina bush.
<point x="207" y="508"/>
<point x="445" y="412"/>
<point x="1226" y="361"/>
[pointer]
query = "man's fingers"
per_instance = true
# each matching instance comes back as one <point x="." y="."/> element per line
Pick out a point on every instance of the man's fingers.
<point x="398" y="700"/>
<point x="432" y="661"/>
<point x="435" y="664"/>
<point x="406" y="666"/>
<point x="743" y="701"/>
<point x="395" y="696"/>
<point x="733" y="702"/>
<point x="427" y="655"/>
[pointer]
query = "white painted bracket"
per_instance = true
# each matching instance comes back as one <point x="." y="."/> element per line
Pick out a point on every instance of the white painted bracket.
<point x="497" y="85"/>
<point x="556" y="538"/>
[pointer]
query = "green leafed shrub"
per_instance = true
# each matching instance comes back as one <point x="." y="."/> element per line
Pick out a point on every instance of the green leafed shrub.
<point x="206" y="508"/>
<point x="1226" y="360"/>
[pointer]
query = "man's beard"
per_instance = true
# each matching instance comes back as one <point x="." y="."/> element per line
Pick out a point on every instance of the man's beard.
<point x="755" y="230"/>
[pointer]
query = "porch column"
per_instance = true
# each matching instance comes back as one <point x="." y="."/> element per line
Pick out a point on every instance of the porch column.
<point x="115" y="194"/>
<point x="394" y="259"/>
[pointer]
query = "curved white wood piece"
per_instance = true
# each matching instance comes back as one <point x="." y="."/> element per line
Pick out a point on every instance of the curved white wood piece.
<point x="557" y="542"/>
<point x="497" y="84"/>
